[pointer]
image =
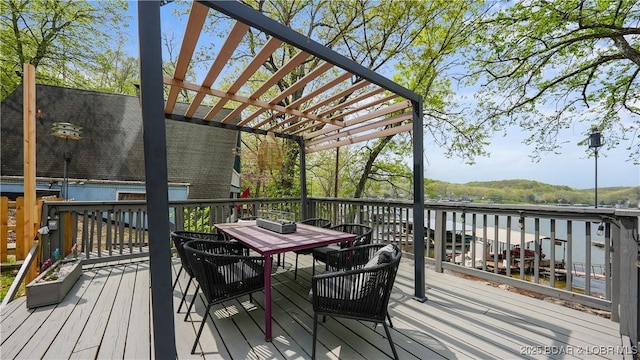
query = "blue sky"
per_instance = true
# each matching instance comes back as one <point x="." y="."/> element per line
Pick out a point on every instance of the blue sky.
<point x="510" y="160"/>
<point x="509" y="157"/>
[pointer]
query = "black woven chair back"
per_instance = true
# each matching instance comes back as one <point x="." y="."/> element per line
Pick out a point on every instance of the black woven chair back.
<point x="179" y="238"/>
<point x="365" y="289"/>
<point x="363" y="233"/>
<point x="319" y="222"/>
<point x="221" y="273"/>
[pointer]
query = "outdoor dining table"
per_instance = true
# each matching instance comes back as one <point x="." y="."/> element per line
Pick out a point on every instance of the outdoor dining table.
<point x="269" y="243"/>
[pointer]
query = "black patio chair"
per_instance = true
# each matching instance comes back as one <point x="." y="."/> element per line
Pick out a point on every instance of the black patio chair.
<point x="179" y="238"/>
<point x="222" y="276"/>
<point x="319" y="222"/>
<point x="358" y="292"/>
<point x="363" y="234"/>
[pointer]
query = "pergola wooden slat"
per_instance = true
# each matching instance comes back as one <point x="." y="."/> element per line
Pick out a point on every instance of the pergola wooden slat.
<point x="235" y="36"/>
<point x="290" y="90"/>
<point x="293" y="62"/>
<point x="327" y="96"/>
<point x="338" y="102"/>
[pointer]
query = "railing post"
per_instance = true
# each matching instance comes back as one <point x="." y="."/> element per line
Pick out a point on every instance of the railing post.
<point x="626" y="279"/>
<point x="20" y="242"/>
<point x="4" y="228"/>
<point x="440" y="238"/>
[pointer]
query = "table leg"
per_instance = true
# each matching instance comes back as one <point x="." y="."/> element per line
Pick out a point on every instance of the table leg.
<point x="267" y="297"/>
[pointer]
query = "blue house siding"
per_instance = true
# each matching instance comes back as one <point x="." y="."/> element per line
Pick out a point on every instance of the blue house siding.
<point x="87" y="190"/>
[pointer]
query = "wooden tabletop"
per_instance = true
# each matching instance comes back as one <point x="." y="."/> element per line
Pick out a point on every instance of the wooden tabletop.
<point x="270" y="242"/>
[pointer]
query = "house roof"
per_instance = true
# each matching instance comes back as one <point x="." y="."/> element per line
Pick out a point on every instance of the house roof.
<point x="342" y="102"/>
<point x="111" y="147"/>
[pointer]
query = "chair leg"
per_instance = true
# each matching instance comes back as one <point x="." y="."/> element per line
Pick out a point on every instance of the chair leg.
<point x="393" y="347"/>
<point x="177" y="278"/>
<point x="193" y="301"/>
<point x="389" y="317"/>
<point x="295" y="274"/>
<point x="315" y="335"/>
<point x="184" y="294"/>
<point x="204" y="320"/>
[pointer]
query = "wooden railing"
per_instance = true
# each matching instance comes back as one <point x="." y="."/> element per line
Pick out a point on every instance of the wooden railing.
<point x="483" y="241"/>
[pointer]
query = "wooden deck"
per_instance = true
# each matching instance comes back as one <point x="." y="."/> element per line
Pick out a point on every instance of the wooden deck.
<point x="107" y="315"/>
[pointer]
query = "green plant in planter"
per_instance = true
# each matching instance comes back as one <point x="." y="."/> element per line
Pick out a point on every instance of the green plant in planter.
<point x="53" y="272"/>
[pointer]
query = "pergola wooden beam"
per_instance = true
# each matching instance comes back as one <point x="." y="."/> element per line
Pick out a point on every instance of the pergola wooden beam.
<point x="277" y="76"/>
<point x="243" y="99"/>
<point x="323" y="68"/>
<point x="340" y="108"/>
<point x="191" y="35"/>
<point x="262" y="56"/>
<point x="229" y="46"/>
<point x="342" y="113"/>
<point x="372" y="115"/>
<point x="355" y="140"/>
<point x="359" y="129"/>
<point x="341" y="94"/>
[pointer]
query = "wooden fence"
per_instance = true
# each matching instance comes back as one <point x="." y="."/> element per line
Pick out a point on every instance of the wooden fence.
<point x="20" y="248"/>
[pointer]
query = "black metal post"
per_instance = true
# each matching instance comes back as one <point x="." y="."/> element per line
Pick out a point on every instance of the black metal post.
<point x="418" y="201"/>
<point x="155" y="164"/>
<point x="595" y="195"/>
<point x="303" y="180"/>
<point x="65" y="179"/>
<point x="67" y="162"/>
<point x="595" y="142"/>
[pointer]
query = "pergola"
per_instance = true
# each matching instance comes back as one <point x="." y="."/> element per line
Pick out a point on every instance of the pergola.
<point x="342" y="103"/>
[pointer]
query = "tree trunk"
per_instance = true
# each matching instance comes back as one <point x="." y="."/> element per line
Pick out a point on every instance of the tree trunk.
<point x="377" y="149"/>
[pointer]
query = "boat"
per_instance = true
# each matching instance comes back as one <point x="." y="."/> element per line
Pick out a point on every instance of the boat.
<point x="528" y="253"/>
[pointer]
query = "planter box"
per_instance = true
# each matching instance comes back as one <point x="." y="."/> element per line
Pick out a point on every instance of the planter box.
<point x="41" y="293"/>
<point x="279" y="226"/>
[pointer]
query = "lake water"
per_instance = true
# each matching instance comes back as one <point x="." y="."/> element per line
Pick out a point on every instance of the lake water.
<point x="580" y="243"/>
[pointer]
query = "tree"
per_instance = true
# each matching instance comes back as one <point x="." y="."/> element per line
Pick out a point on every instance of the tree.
<point x="426" y="67"/>
<point x="114" y="71"/>
<point x="62" y="39"/>
<point x="548" y="66"/>
<point x="374" y="34"/>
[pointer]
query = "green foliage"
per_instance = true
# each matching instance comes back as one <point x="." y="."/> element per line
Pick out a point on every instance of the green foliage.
<point x="6" y="279"/>
<point x="531" y="192"/>
<point x="197" y="219"/>
<point x="426" y="68"/>
<point x="560" y="66"/>
<point x="64" y="40"/>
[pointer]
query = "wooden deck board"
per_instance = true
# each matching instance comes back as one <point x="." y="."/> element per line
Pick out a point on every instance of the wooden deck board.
<point x="541" y="314"/>
<point x="120" y="310"/>
<point x="108" y="315"/>
<point x="42" y="339"/>
<point x="209" y="343"/>
<point x="88" y="322"/>
<point x="138" y="335"/>
<point x="12" y="306"/>
<point x="332" y="332"/>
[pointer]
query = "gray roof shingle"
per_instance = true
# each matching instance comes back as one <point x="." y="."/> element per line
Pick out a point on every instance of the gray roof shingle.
<point x="111" y="147"/>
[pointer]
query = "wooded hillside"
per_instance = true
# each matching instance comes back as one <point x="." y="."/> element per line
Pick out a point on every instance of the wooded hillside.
<point x="533" y="192"/>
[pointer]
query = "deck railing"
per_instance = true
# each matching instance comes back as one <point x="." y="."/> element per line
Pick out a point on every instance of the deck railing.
<point x="550" y="250"/>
